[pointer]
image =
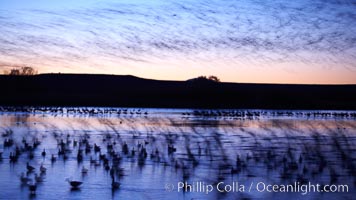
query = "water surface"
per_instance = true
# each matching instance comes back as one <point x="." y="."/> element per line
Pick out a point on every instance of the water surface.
<point x="197" y="147"/>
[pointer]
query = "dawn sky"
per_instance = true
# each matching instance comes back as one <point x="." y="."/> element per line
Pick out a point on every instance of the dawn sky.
<point x="261" y="41"/>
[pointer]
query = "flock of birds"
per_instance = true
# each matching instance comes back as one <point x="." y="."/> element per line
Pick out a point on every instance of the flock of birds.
<point x="65" y="147"/>
<point x="256" y="114"/>
<point x="248" y="114"/>
<point x="83" y="149"/>
<point x="301" y="162"/>
<point x="75" y="110"/>
<point x="311" y="162"/>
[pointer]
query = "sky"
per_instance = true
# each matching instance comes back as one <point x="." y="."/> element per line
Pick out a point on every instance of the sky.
<point x="253" y="41"/>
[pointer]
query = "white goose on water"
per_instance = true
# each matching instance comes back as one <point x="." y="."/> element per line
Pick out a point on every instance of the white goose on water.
<point x="39" y="178"/>
<point x="115" y="185"/>
<point x="23" y="178"/>
<point x="43" y="169"/>
<point x="84" y="170"/>
<point x="74" y="184"/>
<point x="32" y="186"/>
<point x="29" y="167"/>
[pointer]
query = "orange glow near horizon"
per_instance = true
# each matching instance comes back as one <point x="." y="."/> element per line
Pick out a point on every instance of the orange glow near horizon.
<point x="227" y="72"/>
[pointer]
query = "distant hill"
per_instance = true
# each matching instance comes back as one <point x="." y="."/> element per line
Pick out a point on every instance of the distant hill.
<point x="131" y="91"/>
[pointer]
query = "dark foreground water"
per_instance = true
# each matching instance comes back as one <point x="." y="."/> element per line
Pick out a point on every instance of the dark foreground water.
<point x="178" y="154"/>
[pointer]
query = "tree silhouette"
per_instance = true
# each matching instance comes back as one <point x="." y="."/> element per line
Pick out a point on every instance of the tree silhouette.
<point x="24" y="71"/>
<point x="204" y="78"/>
<point x="214" y="78"/>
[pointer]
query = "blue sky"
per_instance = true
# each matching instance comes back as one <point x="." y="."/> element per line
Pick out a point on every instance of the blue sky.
<point x="239" y="41"/>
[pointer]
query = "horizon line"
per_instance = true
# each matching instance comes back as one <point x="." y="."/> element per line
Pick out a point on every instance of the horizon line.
<point x="153" y="79"/>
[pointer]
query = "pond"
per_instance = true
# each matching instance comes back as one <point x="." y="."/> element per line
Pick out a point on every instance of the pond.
<point x="177" y="154"/>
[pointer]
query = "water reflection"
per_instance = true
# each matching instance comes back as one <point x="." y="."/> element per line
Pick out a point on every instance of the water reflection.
<point x="135" y="156"/>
